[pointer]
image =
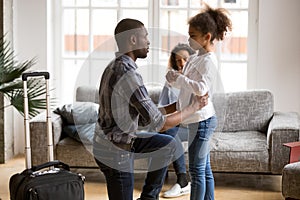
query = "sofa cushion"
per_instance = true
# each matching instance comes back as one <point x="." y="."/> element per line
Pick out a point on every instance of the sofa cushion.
<point x="243" y="151"/>
<point x="91" y="94"/>
<point x="154" y="90"/>
<point x="82" y="133"/>
<point x="78" y="113"/>
<point x="87" y="93"/>
<point x="74" y="153"/>
<point x="239" y="141"/>
<point x="244" y="111"/>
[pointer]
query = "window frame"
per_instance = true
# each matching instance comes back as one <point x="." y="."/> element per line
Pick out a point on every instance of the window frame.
<point x="154" y="10"/>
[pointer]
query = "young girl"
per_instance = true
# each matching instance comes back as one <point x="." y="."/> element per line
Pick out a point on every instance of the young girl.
<point x="198" y="77"/>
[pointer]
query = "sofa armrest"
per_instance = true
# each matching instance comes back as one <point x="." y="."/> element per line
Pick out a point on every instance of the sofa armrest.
<point x="283" y="128"/>
<point x="38" y="136"/>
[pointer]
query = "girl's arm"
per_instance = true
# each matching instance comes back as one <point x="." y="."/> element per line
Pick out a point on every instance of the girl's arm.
<point x="199" y="88"/>
<point x="177" y="117"/>
<point x="199" y="81"/>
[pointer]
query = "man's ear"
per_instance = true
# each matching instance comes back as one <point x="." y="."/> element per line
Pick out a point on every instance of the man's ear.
<point x="133" y="39"/>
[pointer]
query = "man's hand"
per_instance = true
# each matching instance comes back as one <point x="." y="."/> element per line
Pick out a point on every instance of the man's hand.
<point x="200" y="101"/>
<point x="171" y="76"/>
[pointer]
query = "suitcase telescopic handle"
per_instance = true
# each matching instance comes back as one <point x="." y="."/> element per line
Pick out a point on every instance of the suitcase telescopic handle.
<point x="54" y="163"/>
<point x="25" y="75"/>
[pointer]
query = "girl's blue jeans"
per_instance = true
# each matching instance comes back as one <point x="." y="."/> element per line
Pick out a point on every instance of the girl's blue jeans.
<point x="202" y="180"/>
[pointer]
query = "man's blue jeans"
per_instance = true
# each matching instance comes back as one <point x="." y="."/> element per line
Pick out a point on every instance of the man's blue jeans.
<point x="202" y="180"/>
<point x="180" y="134"/>
<point x="117" y="164"/>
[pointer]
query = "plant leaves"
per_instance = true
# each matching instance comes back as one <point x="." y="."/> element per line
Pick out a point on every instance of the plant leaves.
<point x="11" y="84"/>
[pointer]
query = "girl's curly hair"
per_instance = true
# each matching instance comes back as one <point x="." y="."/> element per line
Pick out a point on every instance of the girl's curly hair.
<point x="214" y="21"/>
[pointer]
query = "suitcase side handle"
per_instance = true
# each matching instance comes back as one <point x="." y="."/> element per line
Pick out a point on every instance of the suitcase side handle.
<point x="25" y="75"/>
<point x="55" y="163"/>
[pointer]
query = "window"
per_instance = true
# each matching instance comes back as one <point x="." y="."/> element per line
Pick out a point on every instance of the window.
<point x="85" y="43"/>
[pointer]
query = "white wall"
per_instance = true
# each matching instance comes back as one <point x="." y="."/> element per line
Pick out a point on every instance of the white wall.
<point x="30" y="41"/>
<point x="278" y="63"/>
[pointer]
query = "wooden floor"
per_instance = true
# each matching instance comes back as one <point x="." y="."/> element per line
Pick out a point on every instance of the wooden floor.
<point x="228" y="186"/>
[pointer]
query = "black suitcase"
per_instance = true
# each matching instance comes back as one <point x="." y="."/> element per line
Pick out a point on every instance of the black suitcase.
<point x="51" y="180"/>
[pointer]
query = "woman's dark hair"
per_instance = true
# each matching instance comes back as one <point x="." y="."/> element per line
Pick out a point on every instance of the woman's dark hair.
<point x="179" y="47"/>
<point x="214" y="21"/>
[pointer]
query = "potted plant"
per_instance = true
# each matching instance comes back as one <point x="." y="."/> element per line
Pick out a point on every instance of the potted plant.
<point x="11" y="84"/>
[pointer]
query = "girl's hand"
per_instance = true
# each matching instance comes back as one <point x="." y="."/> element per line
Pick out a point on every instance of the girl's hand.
<point x="200" y="101"/>
<point x="171" y="76"/>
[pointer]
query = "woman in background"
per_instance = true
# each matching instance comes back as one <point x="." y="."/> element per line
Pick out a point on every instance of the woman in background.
<point x="178" y="58"/>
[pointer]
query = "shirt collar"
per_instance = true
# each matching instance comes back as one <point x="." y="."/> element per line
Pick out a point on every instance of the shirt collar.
<point x="201" y="51"/>
<point x="127" y="59"/>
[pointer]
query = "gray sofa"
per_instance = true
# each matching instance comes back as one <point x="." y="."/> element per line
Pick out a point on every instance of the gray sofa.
<point x="291" y="181"/>
<point x="248" y="139"/>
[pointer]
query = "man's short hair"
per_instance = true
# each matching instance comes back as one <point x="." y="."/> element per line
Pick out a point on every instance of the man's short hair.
<point x="125" y="28"/>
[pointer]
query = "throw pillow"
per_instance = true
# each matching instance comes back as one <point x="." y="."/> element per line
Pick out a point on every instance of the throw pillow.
<point x="78" y="113"/>
<point x="82" y="133"/>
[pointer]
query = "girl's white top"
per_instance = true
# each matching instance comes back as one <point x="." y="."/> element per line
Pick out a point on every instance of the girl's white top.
<point x="199" y="77"/>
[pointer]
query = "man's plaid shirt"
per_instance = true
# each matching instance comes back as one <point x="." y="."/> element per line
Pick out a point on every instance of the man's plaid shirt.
<point x="124" y="102"/>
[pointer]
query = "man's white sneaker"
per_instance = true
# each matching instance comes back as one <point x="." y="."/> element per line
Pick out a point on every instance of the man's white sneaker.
<point x="176" y="191"/>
